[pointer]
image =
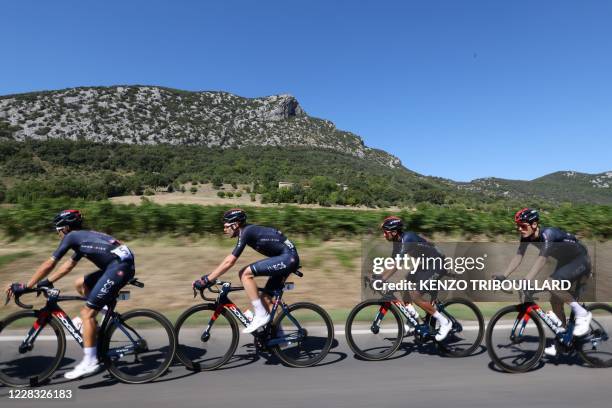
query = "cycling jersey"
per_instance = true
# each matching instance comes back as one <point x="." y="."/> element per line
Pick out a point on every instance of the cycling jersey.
<point x="556" y="243"/>
<point x="283" y="257"/>
<point x="415" y="246"/>
<point x="115" y="261"/>
<point x="95" y="246"/>
<point x="572" y="257"/>
<point x="267" y="241"/>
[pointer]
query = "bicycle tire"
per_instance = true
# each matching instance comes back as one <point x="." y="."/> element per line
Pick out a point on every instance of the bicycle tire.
<point x="181" y="354"/>
<point x="59" y="355"/>
<point x="283" y="355"/>
<point x="444" y="346"/>
<point x="497" y="360"/>
<point x="351" y="340"/>
<point x="110" y="364"/>
<point x="596" y="329"/>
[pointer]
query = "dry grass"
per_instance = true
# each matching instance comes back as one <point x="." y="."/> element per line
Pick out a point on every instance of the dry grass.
<point x="168" y="268"/>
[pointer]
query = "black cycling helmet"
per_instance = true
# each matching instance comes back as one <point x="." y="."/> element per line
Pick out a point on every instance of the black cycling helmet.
<point x="392" y="223"/>
<point x="68" y="218"/>
<point x="234" y="215"/>
<point x="526" y="216"/>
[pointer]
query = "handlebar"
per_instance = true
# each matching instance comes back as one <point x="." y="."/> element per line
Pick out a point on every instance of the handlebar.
<point x="38" y="291"/>
<point x="214" y="288"/>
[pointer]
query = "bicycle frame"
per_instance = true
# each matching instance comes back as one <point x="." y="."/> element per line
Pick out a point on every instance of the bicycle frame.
<point x="52" y="309"/>
<point x="420" y="329"/>
<point x="565" y="337"/>
<point x="223" y="302"/>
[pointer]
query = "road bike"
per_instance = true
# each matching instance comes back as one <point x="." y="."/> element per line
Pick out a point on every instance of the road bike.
<point x="375" y="328"/>
<point x="516" y="338"/>
<point x="135" y="347"/>
<point x="300" y="335"/>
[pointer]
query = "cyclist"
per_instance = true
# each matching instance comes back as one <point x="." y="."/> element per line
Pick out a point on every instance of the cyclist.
<point x="115" y="262"/>
<point x="282" y="260"/>
<point x="573" y="264"/>
<point x="410" y="243"/>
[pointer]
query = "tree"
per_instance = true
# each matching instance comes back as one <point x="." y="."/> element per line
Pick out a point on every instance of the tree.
<point x="217" y="182"/>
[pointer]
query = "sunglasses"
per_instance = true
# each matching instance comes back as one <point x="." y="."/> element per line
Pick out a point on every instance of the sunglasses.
<point x="523" y="227"/>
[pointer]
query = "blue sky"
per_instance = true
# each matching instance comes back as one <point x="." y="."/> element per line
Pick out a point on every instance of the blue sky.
<point x="457" y="89"/>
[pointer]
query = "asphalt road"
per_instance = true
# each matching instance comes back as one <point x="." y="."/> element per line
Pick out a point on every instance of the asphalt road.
<point x="414" y="377"/>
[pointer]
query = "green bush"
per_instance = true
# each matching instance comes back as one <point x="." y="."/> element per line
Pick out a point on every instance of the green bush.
<point x="130" y="221"/>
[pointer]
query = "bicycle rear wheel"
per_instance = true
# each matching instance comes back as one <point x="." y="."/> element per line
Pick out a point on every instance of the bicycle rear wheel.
<point x="29" y="366"/>
<point x="139" y="346"/>
<point x="512" y="349"/>
<point x="596" y="347"/>
<point x="374" y="341"/>
<point x="468" y="328"/>
<point x="199" y="351"/>
<point x="308" y="332"/>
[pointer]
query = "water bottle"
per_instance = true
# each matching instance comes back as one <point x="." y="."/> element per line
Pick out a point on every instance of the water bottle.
<point x="412" y="311"/>
<point x="552" y="316"/>
<point x="248" y="314"/>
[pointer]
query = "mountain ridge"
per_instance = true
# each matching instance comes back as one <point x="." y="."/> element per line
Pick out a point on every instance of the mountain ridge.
<point x="146" y="115"/>
<point x="141" y="114"/>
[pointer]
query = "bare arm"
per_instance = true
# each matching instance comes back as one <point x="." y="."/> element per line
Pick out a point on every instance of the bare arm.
<point x="223" y="267"/>
<point x="63" y="270"/>
<point x="514" y="263"/>
<point x="43" y="270"/>
<point x="388" y="273"/>
<point x="536" y="268"/>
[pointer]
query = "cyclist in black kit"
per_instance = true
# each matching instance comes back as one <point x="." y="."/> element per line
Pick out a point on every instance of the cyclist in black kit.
<point x="410" y="243"/>
<point x="115" y="262"/>
<point x="282" y="260"/>
<point x="573" y="264"/>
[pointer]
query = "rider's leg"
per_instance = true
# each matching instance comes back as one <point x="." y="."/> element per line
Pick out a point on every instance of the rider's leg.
<point x="557" y="301"/>
<point x="445" y="323"/>
<point x="576" y="271"/>
<point x="83" y="285"/>
<point x="88" y="315"/>
<point x="89" y="364"/>
<point x="250" y="286"/>
<point x="272" y="267"/>
<point x="274" y="283"/>
<point x="261" y="315"/>
<point x="79" y="285"/>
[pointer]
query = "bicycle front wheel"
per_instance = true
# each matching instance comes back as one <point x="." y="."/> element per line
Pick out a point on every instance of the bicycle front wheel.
<point x="138" y="346"/>
<point x="515" y="341"/>
<point x="374" y="330"/>
<point x="30" y="364"/>
<point x="303" y="335"/>
<point x="468" y="328"/>
<point x="206" y="348"/>
<point x="596" y="347"/>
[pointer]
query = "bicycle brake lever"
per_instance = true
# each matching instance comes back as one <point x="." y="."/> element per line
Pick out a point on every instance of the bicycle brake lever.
<point x="8" y="299"/>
